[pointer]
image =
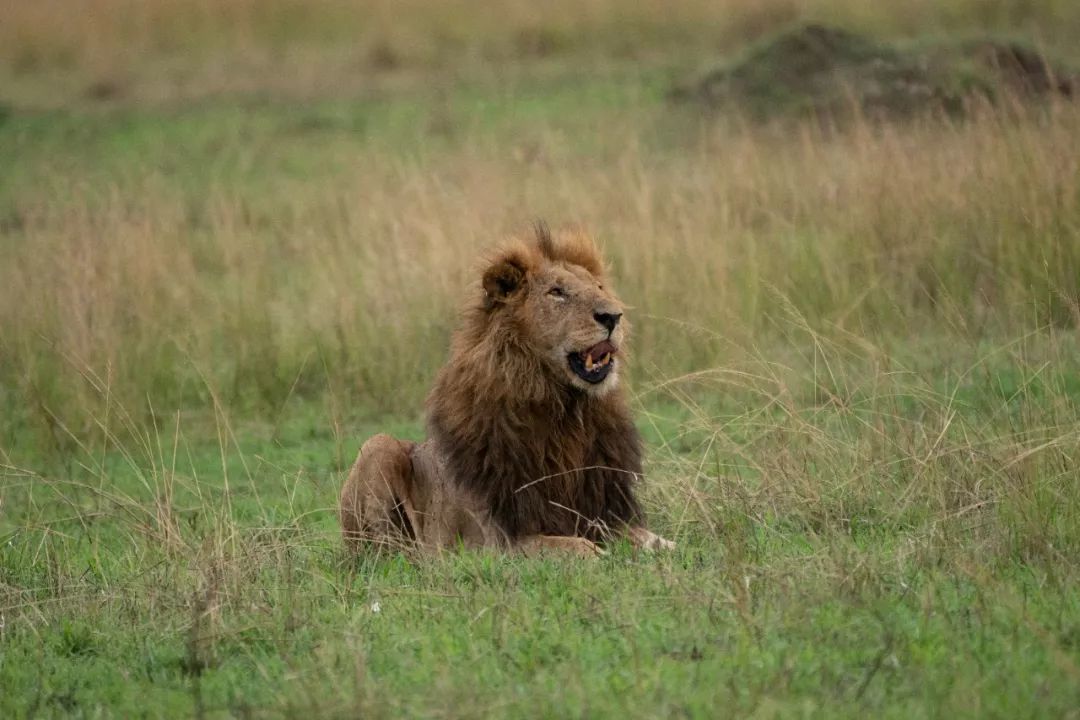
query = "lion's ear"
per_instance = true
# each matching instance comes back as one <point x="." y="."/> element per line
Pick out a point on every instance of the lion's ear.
<point x="504" y="279"/>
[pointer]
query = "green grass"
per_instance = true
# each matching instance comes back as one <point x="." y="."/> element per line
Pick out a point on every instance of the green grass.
<point x="855" y="366"/>
<point x="899" y="542"/>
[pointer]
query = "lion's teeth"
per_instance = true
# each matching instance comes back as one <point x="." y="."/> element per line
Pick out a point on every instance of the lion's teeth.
<point x="588" y="361"/>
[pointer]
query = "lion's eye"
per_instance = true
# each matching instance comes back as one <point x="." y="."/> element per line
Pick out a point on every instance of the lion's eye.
<point x="557" y="292"/>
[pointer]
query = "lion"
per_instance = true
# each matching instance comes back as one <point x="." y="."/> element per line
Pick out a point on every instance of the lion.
<point x="531" y="446"/>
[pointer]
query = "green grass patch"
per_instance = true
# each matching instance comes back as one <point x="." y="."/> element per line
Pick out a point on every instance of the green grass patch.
<point x="896" y="543"/>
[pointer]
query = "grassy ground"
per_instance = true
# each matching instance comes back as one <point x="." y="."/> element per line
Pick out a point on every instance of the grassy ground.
<point x="903" y="544"/>
<point x="856" y="368"/>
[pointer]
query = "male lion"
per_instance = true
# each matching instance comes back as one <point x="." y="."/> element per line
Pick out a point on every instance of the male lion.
<point x="531" y="445"/>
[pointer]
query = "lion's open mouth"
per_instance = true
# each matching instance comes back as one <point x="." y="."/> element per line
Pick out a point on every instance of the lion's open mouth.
<point x="593" y="364"/>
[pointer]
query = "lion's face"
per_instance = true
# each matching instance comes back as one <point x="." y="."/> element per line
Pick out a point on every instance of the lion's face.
<point x="576" y="322"/>
<point x="567" y="315"/>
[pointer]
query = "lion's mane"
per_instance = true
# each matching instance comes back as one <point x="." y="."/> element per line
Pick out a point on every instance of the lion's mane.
<point x="546" y="457"/>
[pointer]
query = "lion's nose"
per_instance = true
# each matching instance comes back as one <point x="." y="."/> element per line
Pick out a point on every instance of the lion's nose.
<point x="608" y="320"/>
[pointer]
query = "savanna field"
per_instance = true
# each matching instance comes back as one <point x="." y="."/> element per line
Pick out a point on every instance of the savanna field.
<point x="234" y="237"/>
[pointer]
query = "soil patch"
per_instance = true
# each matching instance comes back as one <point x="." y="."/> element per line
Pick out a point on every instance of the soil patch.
<point x="819" y="70"/>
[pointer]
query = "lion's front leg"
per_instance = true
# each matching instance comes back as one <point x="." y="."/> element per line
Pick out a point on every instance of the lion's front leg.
<point x="561" y="544"/>
<point x="646" y="540"/>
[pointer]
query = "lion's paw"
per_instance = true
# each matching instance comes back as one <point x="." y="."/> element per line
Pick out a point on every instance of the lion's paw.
<point x="649" y="541"/>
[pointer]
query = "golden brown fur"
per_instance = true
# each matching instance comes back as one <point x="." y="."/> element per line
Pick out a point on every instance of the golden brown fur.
<point x="531" y="444"/>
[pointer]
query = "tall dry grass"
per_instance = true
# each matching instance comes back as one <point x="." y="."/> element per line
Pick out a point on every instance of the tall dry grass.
<point x="347" y="281"/>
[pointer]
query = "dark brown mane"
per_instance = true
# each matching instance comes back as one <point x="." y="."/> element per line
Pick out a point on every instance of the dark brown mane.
<point x="547" y="457"/>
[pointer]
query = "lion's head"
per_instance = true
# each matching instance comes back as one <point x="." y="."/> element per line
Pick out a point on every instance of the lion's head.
<point x="552" y="293"/>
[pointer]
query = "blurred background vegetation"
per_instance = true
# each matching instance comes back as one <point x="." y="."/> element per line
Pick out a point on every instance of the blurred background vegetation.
<point x="264" y="200"/>
<point x="174" y="50"/>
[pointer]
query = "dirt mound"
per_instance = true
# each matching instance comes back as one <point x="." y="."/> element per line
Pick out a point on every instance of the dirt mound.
<point x="818" y="70"/>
